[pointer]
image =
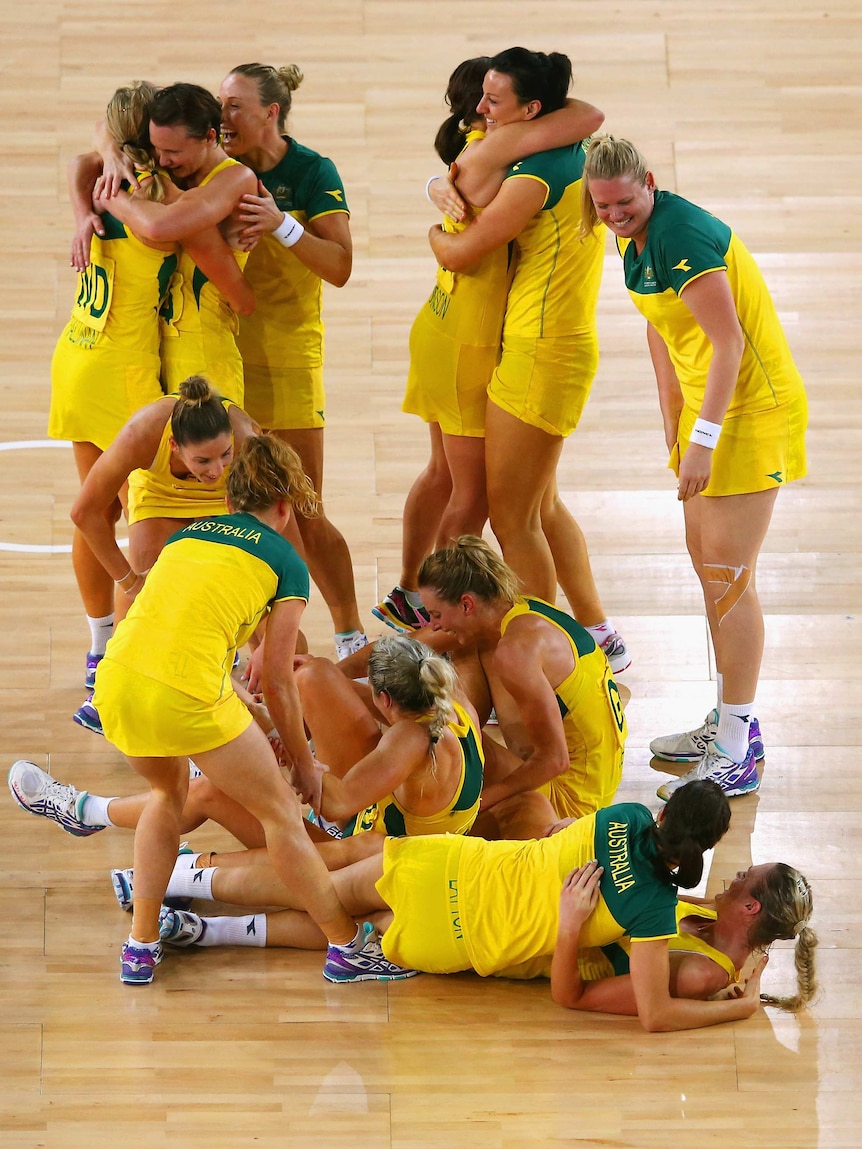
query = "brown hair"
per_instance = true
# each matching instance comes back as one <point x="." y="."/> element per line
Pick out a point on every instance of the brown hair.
<point x="469" y="566"/>
<point x="264" y="471"/>
<point x="199" y="413"/>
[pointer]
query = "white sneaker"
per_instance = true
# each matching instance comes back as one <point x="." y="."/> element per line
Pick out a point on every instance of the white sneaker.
<point x="734" y="778"/>
<point x="693" y="744"/>
<point x="38" y="793"/>
<point x="349" y="644"/>
<point x="617" y="653"/>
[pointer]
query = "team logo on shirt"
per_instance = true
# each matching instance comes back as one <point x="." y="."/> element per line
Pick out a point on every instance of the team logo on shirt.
<point x="649" y="277"/>
<point x="777" y="476"/>
<point x="683" y="265"/>
<point x="283" y="196"/>
<point x="337" y="195"/>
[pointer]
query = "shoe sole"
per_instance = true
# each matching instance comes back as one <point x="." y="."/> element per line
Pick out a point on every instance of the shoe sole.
<point x="393" y="620"/>
<point x="371" y="977"/>
<point x="91" y="726"/>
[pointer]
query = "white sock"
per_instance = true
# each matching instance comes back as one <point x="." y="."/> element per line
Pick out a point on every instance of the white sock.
<point x="101" y="630"/>
<point x="412" y="596"/>
<point x="602" y="631"/>
<point x="357" y="943"/>
<point x="733" y="722"/>
<point x="186" y="883"/>
<point x="239" y="931"/>
<point x="94" y="811"/>
<point x="719" y="686"/>
<point x="151" y="946"/>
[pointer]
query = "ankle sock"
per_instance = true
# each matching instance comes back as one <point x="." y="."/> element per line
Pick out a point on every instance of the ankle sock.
<point x="94" y="811"/>
<point x="234" y="931"/>
<point x="101" y="630"/>
<point x="186" y="883"/>
<point x="733" y="722"/>
<point x="602" y="631"/>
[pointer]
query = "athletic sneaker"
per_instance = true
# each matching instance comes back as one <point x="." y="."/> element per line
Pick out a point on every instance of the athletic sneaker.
<point x="180" y="927"/>
<point x="693" y="744"/>
<point x="38" y="793"/>
<point x="397" y="611"/>
<point x="330" y="828"/>
<point x="88" y="716"/>
<point x="617" y="654"/>
<point x="734" y="778"/>
<point x="365" y="964"/>
<point x="123" y="883"/>
<point x="349" y="645"/>
<point x="138" y="964"/>
<point x="93" y="661"/>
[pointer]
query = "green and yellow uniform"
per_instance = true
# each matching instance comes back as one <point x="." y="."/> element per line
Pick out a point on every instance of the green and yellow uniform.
<point x="106" y="363"/>
<point x="155" y="492"/>
<point x="282" y="341"/>
<point x="388" y="816"/>
<point x="455" y="340"/>
<point x="464" y="903"/>
<point x="164" y="686"/>
<point x="199" y="326"/>
<point x="613" y="960"/>
<point x="762" y="443"/>
<point x="592" y="714"/>
<point x="550" y="349"/>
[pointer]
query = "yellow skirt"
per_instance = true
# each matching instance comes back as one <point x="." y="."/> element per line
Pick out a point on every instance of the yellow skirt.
<point x="146" y="719"/>
<point x="756" y="452"/>
<point x="546" y="382"/>
<point x="287" y="398"/>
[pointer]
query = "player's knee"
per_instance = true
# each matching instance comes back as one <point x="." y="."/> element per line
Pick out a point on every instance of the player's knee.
<point x="727" y="584"/>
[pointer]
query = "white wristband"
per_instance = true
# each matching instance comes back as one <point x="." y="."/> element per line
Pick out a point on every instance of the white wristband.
<point x="289" y="231"/>
<point x="428" y="189"/>
<point x="705" y="434"/>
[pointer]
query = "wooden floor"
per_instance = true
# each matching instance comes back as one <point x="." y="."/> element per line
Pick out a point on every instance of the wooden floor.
<point x="751" y="110"/>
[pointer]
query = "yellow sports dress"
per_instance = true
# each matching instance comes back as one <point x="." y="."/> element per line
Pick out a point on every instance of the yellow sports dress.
<point x="199" y="326"/>
<point x="282" y="341"/>
<point x="455" y="340"/>
<point x="164" y="687"/>
<point x="106" y="363"/>
<point x="388" y="816"/>
<point x="593" y="718"/>
<point x="550" y="348"/>
<point x="613" y="960"/>
<point x="156" y="493"/>
<point x="464" y="903"/>
<point x="762" y="443"/>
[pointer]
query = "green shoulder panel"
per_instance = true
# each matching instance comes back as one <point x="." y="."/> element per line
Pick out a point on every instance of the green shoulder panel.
<point x="558" y="169"/>
<point x="582" y="639"/>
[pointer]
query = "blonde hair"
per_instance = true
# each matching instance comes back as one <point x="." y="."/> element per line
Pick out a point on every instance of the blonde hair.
<point x="469" y="566"/>
<point x="199" y="413"/>
<point x="608" y="158"/>
<point x="127" y="118"/>
<point x="786" y="905"/>
<point x="274" y="85"/>
<point x="264" y="471"/>
<point x="417" y="678"/>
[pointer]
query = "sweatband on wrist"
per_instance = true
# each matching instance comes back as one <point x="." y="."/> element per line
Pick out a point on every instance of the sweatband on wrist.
<point x="289" y="231"/>
<point x="428" y="189"/>
<point x="705" y="434"/>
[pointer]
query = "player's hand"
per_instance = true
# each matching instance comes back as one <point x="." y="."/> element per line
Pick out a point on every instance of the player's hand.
<point x="579" y="895"/>
<point x="252" y="676"/>
<point x="446" y="197"/>
<point x="79" y="256"/>
<point x="116" y="168"/>
<point x="259" y="215"/>
<point x="695" y="469"/>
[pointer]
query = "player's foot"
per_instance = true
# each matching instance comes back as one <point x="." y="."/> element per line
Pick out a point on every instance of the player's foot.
<point x="691" y="745"/>
<point x="93" y="661"/>
<point x="88" y="716"/>
<point x="180" y="927"/>
<point x="347" y="644"/>
<point x="397" y="611"/>
<point x="138" y="963"/>
<point x="617" y="654"/>
<point x="734" y="778"/>
<point x="363" y="960"/>
<point x="38" y="793"/>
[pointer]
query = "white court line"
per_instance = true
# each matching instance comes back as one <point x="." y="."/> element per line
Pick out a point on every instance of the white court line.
<point x="26" y="548"/>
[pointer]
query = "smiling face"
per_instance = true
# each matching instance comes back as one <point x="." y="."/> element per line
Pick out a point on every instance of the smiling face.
<point x="205" y="461"/>
<point x="500" y="105"/>
<point x="624" y="205"/>
<point x="178" y="152"/>
<point x="246" y="123"/>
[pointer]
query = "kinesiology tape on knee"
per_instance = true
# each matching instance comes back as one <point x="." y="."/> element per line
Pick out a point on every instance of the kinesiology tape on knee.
<point x="735" y="581"/>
